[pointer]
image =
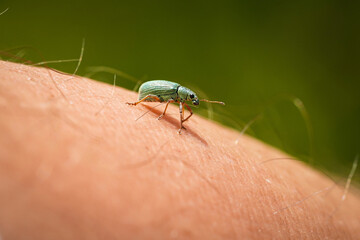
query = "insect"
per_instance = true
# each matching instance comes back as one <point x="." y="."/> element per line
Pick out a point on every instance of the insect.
<point x="169" y="92"/>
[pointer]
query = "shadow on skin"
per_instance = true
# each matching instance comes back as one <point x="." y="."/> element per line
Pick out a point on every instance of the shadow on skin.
<point x="176" y="123"/>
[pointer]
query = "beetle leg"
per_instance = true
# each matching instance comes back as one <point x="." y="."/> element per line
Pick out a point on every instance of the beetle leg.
<point x="191" y="112"/>
<point x="153" y="97"/>
<point x="163" y="114"/>
<point x="183" y="112"/>
<point x="181" y="117"/>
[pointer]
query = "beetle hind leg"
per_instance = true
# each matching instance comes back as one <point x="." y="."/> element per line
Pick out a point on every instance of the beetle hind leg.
<point x="148" y="98"/>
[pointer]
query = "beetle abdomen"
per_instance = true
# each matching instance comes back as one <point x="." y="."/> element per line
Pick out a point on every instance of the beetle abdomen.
<point x="164" y="90"/>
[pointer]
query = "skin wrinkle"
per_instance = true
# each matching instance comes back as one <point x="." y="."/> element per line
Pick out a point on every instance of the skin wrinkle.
<point x="225" y="193"/>
<point x="190" y="167"/>
<point x="84" y="191"/>
<point x="203" y="194"/>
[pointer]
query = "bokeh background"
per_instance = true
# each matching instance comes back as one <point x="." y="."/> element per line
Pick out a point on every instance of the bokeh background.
<point x="291" y="68"/>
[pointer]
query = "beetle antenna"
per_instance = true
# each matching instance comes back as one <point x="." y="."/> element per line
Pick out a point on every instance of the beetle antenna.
<point x="204" y="100"/>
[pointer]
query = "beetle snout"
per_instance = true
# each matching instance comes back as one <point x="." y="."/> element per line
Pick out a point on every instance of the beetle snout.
<point x="195" y="101"/>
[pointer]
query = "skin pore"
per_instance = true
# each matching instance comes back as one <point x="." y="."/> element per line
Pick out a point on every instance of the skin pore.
<point x="70" y="171"/>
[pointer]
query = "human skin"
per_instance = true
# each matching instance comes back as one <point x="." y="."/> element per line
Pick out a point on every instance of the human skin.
<point x="81" y="167"/>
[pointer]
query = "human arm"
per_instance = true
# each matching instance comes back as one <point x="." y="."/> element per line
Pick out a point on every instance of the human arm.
<point x="81" y="167"/>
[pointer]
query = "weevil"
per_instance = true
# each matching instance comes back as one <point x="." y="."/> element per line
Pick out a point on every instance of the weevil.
<point x="169" y="92"/>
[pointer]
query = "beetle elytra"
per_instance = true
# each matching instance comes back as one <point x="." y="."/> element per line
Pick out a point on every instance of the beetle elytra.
<point x="169" y="92"/>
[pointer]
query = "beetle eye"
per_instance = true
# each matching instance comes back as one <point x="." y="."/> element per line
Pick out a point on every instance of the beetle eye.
<point x="191" y="95"/>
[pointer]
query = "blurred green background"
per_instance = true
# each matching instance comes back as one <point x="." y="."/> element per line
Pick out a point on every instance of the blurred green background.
<point x="257" y="56"/>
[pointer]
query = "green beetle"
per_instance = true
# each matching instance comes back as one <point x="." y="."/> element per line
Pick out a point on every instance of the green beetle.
<point x="169" y="92"/>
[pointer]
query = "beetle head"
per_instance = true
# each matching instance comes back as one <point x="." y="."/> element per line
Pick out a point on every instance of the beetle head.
<point x="188" y="95"/>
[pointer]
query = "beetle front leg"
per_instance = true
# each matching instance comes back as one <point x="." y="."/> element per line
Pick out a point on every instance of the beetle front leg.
<point x="190" y="110"/>
<point x="181" y="117"/>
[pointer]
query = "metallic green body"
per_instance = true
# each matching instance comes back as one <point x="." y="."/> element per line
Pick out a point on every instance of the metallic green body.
<point x="169" y="92"/>
<point x="165" y="91"/>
